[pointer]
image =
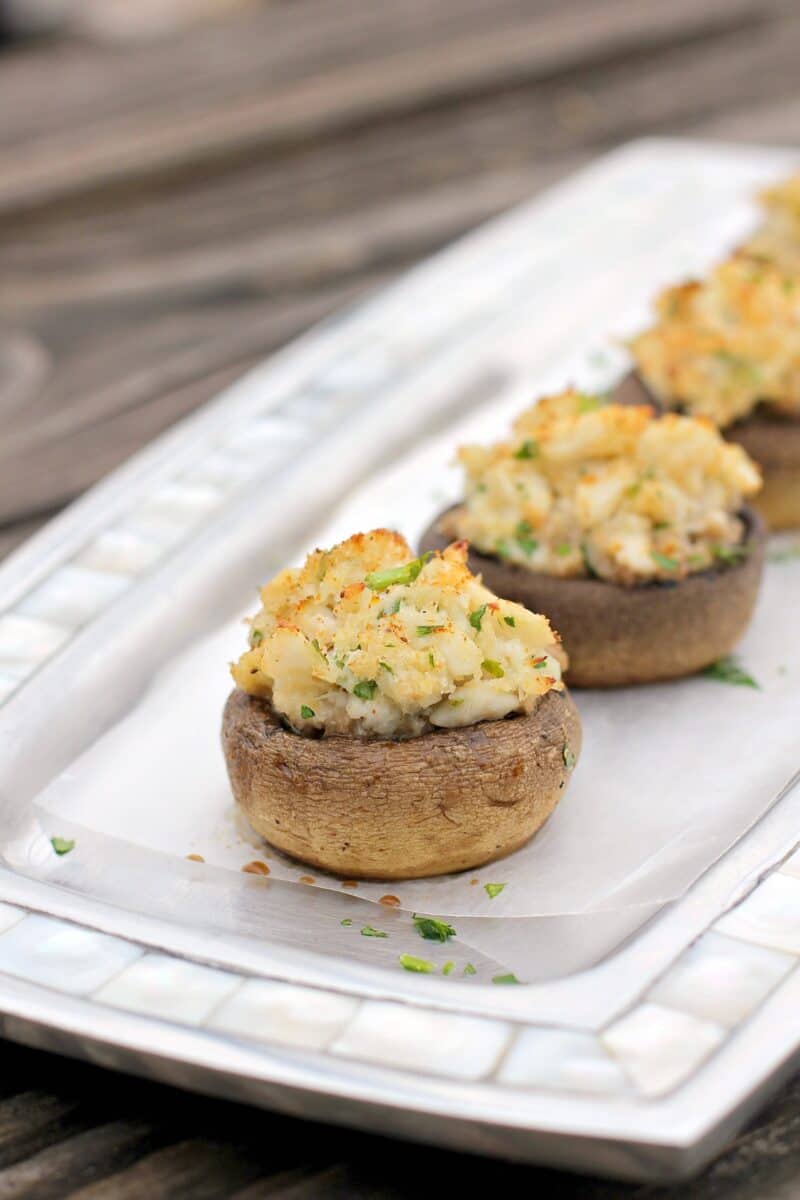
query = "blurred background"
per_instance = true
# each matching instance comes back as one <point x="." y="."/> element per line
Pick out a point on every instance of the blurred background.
<point x="185" y="185"/>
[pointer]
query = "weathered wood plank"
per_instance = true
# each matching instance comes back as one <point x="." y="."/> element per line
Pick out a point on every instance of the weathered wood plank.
<point x="209" y="127"/>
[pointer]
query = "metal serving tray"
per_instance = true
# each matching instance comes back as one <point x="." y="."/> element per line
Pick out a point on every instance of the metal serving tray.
<point x="641" y="1065"/>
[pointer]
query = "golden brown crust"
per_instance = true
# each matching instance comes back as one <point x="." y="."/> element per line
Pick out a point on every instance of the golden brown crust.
<point x="623" y="635"/>
<point x="772" y="441"/>
<point x="380" y="809"/>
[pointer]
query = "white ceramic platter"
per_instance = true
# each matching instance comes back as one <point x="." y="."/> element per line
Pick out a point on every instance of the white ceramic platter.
<point x="649" y="1033"/>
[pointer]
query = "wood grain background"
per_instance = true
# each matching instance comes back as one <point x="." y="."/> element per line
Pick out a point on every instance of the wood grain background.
<point x="169" y="215"/>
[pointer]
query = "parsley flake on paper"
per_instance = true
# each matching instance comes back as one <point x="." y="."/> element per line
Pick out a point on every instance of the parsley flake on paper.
<point x="469" y="970"/>
<point x="727" y="670"/>
<point x="433" y="929"/>
<point x="62" y="845"/>
<point x="509" y="978"/>
<point x="369" y="931"/>
<point x="420" y="966"/>
<point x="493" y="889"/>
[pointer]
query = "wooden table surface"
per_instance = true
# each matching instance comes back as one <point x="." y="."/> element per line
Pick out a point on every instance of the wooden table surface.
<point x="168" y="216"/>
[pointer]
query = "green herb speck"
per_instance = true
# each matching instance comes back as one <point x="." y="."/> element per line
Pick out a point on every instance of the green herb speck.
<point x="505" y="978"/>
<point x="447" y="968"/>
<point x="365" y="689"/>
<point x="470" y="970"/>
<point x="493" y="889"/>
<point x="476" y="617"/>
<point x="512" y="621"/>
<point x="306" y="713"/>
<point x="569" y="757"/>
<point x="433" y="929"/>
<point x="379" y="581"/>
<point x="62" y="845"/>
<point x="492" y="668"/>
<point x="664" y="561"/>
<point x="369" y="931"/>
<point x="421" y="966"/>
<point x="528" y="449"/>
<point x="346" y="921"/>
<point x="727" y="670"/>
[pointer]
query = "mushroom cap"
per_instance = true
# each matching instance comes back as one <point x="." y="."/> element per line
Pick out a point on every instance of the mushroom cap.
<point x="365" y="808"/>
<point x="617" y="635"/>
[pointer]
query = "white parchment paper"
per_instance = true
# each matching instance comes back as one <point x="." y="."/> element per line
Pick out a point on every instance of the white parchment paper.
<point x="671" y="775"/>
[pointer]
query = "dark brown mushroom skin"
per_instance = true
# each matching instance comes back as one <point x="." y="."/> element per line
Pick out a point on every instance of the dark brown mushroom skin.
<point x="383" y="809"/>
<point x="617" y="635"/>
<point x="771" y="440"/>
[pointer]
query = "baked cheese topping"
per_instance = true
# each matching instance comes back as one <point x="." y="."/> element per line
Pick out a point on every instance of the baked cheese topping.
<point x="722" y="346"/>
<point x="587" y="488"/>
<point x="365" y="640"/>
<point x="778" y="238"/>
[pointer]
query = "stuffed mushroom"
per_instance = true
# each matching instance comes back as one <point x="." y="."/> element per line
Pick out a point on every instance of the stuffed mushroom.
<point x="628" y="531"/>
<point x="728" y="349"/>
<point x="393" y="718"/>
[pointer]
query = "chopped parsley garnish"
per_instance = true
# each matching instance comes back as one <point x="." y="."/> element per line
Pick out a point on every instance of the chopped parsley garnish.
<point x="369" y="931"/>
<point x="447" y="968"/>
<point x="730" y="554"/>
<point x="505" y="978"/>
<point x="306" y="713"/>
<point x="589" y="403"/>
<point x="539" y="664"/>
<point x="493" y="889"/>
<point x="365" y="689"/>
<point x="569" y="757"/>
<point x="455" y="703"/>
<point x="470" y="970"/>
<point x="62" y="845"/>
<point x="427" y="630"/>
<point x="522" y="534"/>
<point x="421" y="966"/>
<point x="476" y="618"/>
<point x="587" y="562"/>
<point x="664" y="561"/>
<point x="563" y="549"/>
<point x="256" y="637"/>
<point x="346" y="921"/>
<point x="379" y="581"/>
<point x="316" y="646"/>
<point x="492" y="668"/>
<point x="386" y="667"/>
<point x="433" y="929"/>
<point x="738" y="363"/>
<point x="727" y="670"/>
<point x="528" y="449"/>
<point x="502" y="549"/>
<point x="431" y="659"/>
<point x="512" y="621"/>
